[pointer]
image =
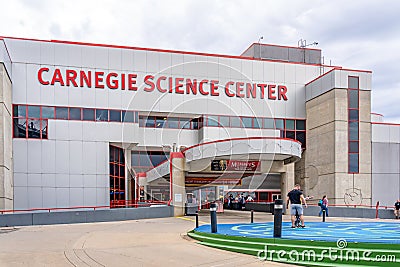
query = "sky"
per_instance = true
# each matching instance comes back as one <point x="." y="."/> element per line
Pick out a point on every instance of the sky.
<point x="357" y="34"/>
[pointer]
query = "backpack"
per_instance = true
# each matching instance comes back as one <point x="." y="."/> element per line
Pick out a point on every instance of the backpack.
<point x="320" y="202"/>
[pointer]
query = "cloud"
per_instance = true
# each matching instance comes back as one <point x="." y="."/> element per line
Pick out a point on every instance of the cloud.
<point x="355" y="34"/>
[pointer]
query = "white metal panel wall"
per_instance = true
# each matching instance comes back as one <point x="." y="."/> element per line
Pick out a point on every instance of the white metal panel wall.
<point x="385" y="163"/>
<point x="144" y="62"/>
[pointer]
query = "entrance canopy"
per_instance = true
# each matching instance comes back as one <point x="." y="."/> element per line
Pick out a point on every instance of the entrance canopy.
<point x="199" y="157"/>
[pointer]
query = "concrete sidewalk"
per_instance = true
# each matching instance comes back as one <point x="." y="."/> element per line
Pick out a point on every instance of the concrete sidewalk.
<point x="149" y="242"/>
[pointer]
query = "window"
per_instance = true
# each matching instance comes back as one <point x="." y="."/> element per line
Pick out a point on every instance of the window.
<point x="289" y="125"/>
<point x="117" y="177"/>
<point x="235" y="122"/>
<point x="279" y="124"/>
<point x="88" y="114"/>
<point x="75" y="114"/>
<point x="224" y="121"/>
<point x="247" y="122"/>
<point x="161" y="122"/>
<point x="145" y="160"/>
<point x="101" y="114"/>
<point x="115" y="115"/>
<point x="269" y="123"/>
<point x="128" y="116"/>
<point x="212" y="121"/>
<point x="61" y="113"/>
<point x="353" y="94"/>
<point x="48" y="112"/>
<point x="173" y="123"/>
<point x="28" y="122"/>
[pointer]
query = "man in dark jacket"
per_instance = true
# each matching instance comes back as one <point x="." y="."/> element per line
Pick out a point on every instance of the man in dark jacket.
<point x="296" y="199"/>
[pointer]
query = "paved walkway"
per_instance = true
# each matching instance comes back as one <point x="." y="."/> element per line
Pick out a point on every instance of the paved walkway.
<point x="150" y="242"/>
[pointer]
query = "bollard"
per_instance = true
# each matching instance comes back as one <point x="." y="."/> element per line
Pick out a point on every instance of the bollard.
<point x="278" y="207"/>
<point x="252" y="216"/>
<point x="323" y="215"/>
<point x="197" y="220"/>
<point x="213" y="215"/>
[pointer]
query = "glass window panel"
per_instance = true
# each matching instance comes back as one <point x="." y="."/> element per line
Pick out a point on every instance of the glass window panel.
<point x="88" y="114"/>
<point x="157" y="159"/>
<point x="33" y="128"/>
<point x="290" y="134"/>
<point x="301" y="137"/>
<point x="185" y="123"/>
<point x="142" y="121"/>
<point x="195" y="123"/>
<point x="224" y="121"/>
<point x="353" y="131"/>
<point x="353" y="163"/>
<point x="75" y="114"/>
<point x="48" y="112"/>
<point x="353" y="147"/>
<point x="20" y="128"/>
<point x="235" y="122"/>
<point x="135" y="158"/>
<point x="150" y="122"/>
<point x="44" y="129"/>
<point x="122" y="172"/>
<point x="161" y="122"/>
<point x="269" y="123"/>
<point x="19" y="111"/>
<point x="300" y="124"/>
<point x="353" y="83"/>
<point x="353" y="114"/>
<point x="144" y="159"/>
<point x="247" y="122"/>
<point x="112" y="169"/>
<point x="258" y="123"/>
<point x="33" y="112"/>
<point x="212" y="121"/>
<point x="128" y="116"/>
<point x="173" y="123"/>
<point x="101" y="114"/>
<point x="115" y="115"/>
<point x="353" y="98"/>
<point x="289" y="124"/>
<point x="62" y="113"/>
<point x="279" y="124"/>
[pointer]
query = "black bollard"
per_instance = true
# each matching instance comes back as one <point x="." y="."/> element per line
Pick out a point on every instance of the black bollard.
<point x="252" y="216"/>
<point x="323" y="215"/>
<point x="197" y="220"/>
<point x="278" y="207"/>
<point x="213" y="215"/>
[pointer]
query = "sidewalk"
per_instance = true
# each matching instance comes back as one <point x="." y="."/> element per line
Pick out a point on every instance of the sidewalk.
<point x="149" y="242"/>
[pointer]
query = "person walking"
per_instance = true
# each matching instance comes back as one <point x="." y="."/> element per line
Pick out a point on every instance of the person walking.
<point x="323" y="203"/>
<point x="397" y="209"/>
<point x="296" y="199"/>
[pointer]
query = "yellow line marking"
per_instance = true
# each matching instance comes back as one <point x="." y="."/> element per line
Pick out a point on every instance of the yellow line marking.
<point x="188" y="219"/>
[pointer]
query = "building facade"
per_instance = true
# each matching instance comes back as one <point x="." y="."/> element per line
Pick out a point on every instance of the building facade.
<point x="87" y="125"/>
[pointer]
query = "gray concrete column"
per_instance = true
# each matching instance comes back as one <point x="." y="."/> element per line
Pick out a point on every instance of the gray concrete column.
<point x="6" y="148"/>
<point x="177" y="181"/>
<point x="130" y="194"/>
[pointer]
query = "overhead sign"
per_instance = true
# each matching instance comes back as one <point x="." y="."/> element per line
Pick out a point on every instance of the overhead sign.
<point x="234" y="165"/>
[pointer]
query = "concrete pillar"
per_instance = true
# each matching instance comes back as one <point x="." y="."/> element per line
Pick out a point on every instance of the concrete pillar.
<point x="6" y="148"/>
<point x="287" y="180"/>
<point x="177" y="183"/>
<point x="130" y="194"/>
